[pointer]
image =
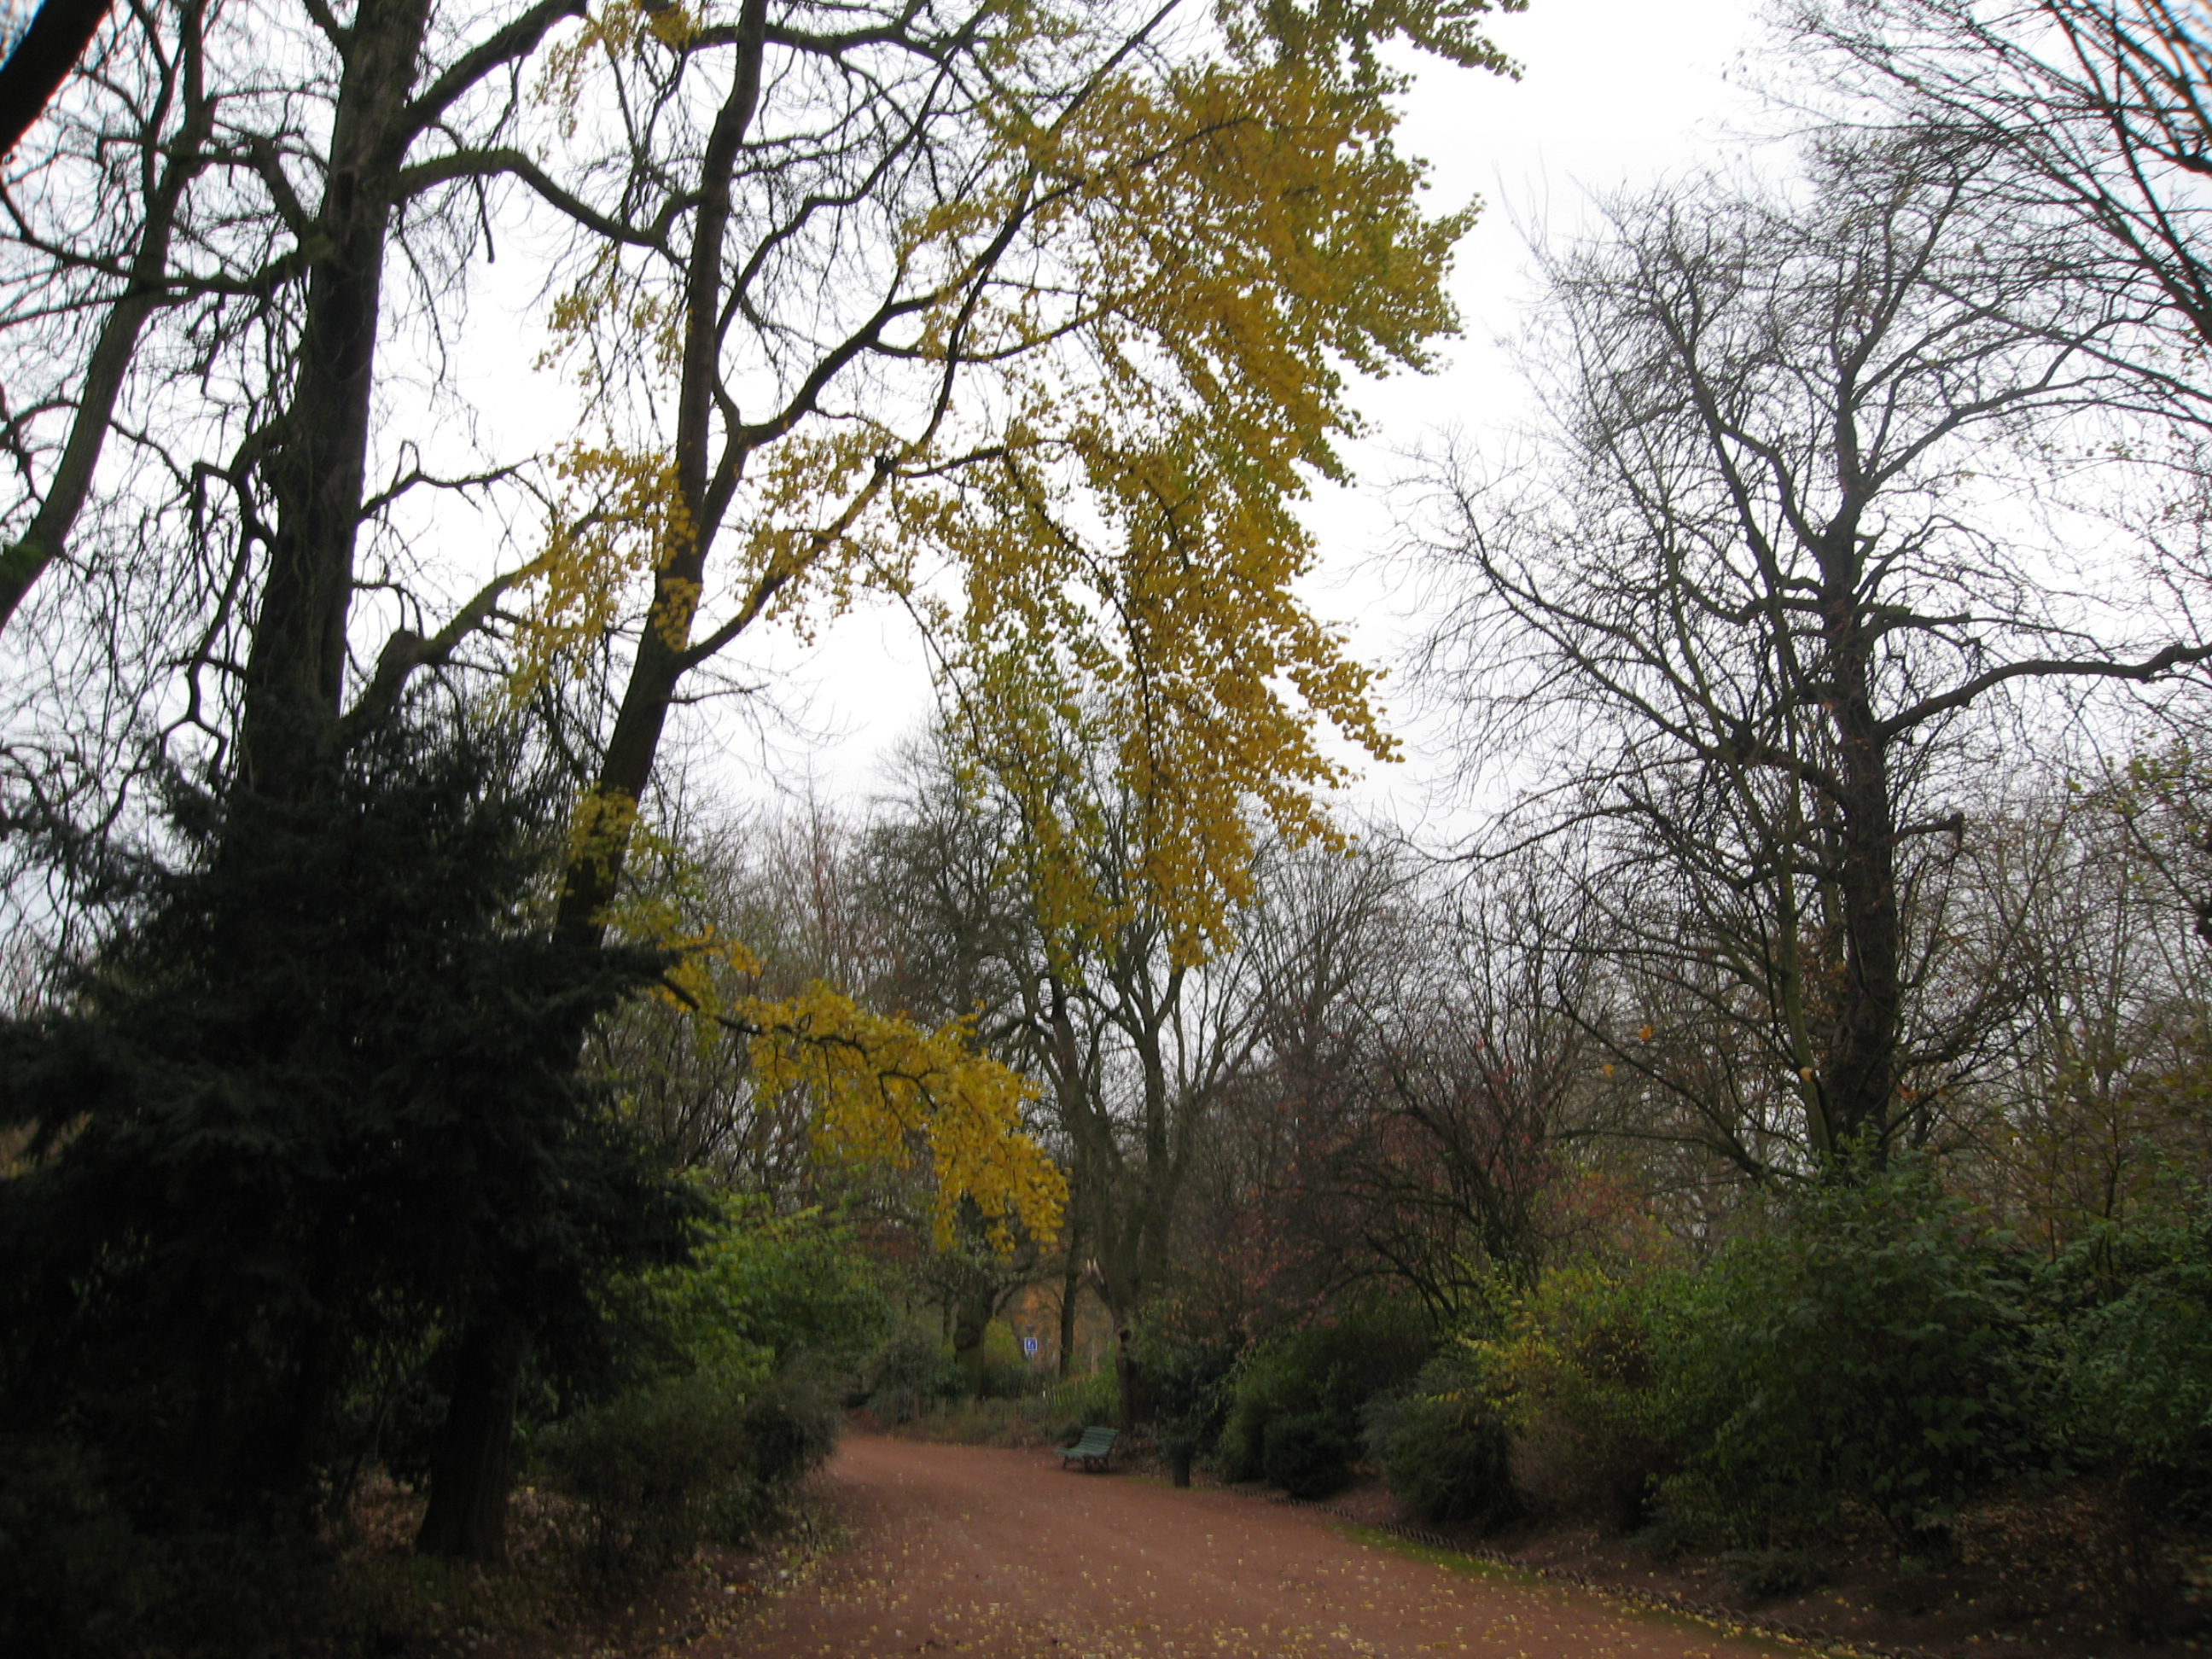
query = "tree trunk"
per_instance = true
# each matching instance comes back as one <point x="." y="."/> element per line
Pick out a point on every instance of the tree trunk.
<point x="973" y="1304"/>
<point x="295" y="664"/>
<point x="1127" y="1374"/>
<point x="1071" y="1291"/>
<point x="469" y="1475"/>
<point x="1863" y="1061"/>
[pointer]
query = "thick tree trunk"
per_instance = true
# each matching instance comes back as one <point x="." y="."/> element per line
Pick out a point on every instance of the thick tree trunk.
<point x="467" y="1516"/>
<point x="1861" y="1073"/>
<point x="295" y="664"/>
<point x="661" y="661"/>
<point x="971" y="1322"/>
<point x="472" y="1463"/>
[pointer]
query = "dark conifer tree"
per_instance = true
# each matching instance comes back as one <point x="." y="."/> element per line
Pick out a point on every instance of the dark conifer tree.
<point x="301" y="1115"/>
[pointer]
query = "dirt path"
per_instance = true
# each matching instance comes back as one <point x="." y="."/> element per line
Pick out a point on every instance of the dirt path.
<point x="1002" y="1554"/>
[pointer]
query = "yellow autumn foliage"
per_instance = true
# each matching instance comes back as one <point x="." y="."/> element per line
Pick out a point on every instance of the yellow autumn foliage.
<point x="878" y="1088"/>
<point x="884" y="1089"/>
<point x="1057" y="387"/>
<point x="1100" y="528"/>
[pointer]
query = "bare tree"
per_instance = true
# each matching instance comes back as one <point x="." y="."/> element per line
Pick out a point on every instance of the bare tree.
<point x="2097" y="108"/>
<point x="1133" y="1048"/>
<point x="2103" y="1061"/>
<point x="1800" y="534"/>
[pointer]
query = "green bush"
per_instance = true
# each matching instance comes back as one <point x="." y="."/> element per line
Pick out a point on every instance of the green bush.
<point x="912" y="1368"/>
<point x="665" y="1466"/>
<point x="1443" y="1446"/>
<point x="80" y="1579"/>
<point x="1873" y="1346"/>
<point x="1764" y="1574"/>
<point x="1330" y="1368"/>
<point x="760" y="1288"/>
<point x="76" y="1578"/>
<point x="1094" y="1397"/>
<point x="1308" y="1456"/>
<point x="1189" y="1361"/>
<point x="1576" y="1373"/>
<point x="2129" y="1349"/>
<point x="2131" y="1357"/>
<point x="302" y="1111"/>
<point x="1004" y="1373"/>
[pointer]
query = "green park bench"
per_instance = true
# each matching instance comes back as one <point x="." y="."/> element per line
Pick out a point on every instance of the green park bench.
<point x="1092" y="1450"/>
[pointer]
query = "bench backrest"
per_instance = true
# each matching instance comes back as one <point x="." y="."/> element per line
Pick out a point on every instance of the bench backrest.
<point x="1096" y="1443"/>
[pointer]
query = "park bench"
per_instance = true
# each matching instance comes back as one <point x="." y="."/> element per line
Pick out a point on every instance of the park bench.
<point x="1092" y="1450"/>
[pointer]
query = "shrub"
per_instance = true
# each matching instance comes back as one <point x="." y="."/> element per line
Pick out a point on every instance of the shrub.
<point x="301" y="1112"/>
<point x="911" y="1368"/>
<point x="2132" y="1357"/>
<point x="1873" y="1346"/>
<point x="759" y="1288"/>
<point x="666" y="1465"/>
<point x="1094" y="1397"/>
<point x="74" y="1576"/>
<point x="1575" y="1374"/>
<point x="1188" y="1362"/>
<point x="1443" y="1446"/>
<point x="1764" y="1574"/>
<point x="1331" y="1370"/>
<point x="1003" y="1373"/>
<point x="1308" y="1456"/>
<point x="81" y="1579"/>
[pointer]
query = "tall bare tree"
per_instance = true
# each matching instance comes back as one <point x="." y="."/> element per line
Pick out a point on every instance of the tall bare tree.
<point x="1795" y="542"/>
<point x="1132" y="1047"/>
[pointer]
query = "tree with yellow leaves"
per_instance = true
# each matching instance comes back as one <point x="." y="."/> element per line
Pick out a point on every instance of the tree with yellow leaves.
<point x="1035" y="317"/>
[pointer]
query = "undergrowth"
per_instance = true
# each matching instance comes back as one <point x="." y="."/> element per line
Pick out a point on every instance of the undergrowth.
<point x="1052" y="1416"/>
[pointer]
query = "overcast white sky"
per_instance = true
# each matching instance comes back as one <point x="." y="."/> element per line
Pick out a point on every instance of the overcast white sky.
<point x="1615" y="92"/>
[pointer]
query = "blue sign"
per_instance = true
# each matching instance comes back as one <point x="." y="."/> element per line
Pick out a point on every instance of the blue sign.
<point x="1030" y="1347"/>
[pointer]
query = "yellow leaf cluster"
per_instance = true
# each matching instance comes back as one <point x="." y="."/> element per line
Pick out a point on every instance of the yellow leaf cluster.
<point x="1241" y="234"/>
<point x="886" y="1090"/>
<point x="620" y="515"/>
<point x="880" y="1087"/>
<point x="1149" y="301"/>
<point x="612" y="30"/>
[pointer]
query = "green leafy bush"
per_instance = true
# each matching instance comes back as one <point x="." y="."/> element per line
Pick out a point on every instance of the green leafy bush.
<point x="665" y="1466"/>
<point x="2132" y="1355"/>
<point x="760" y="1288"/>
<point x="1872" y="1345"/>
<point x="1189" y="1361"/>
<point x="1444" y="1447"/>
<point x="1308" y="1456"/>
<point x="912" y="1368"/>
<point x="75" y="1576"/>
<point x="1764" y="1574"/>
<point x="1331" y="1370"/>
<point x="1094" y="1398"/>
<point x="81" y="1579"/>
<point x="1001" y="1372"/>
<point x="1576" y="1373"/>
<point x="305" y="1109"/>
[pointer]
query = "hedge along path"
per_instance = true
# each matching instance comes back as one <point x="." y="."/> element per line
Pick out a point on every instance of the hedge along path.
<point x="1003" y="1555"/>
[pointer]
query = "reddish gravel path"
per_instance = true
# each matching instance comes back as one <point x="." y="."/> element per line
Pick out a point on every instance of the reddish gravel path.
<point x="963" y="1549"/>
